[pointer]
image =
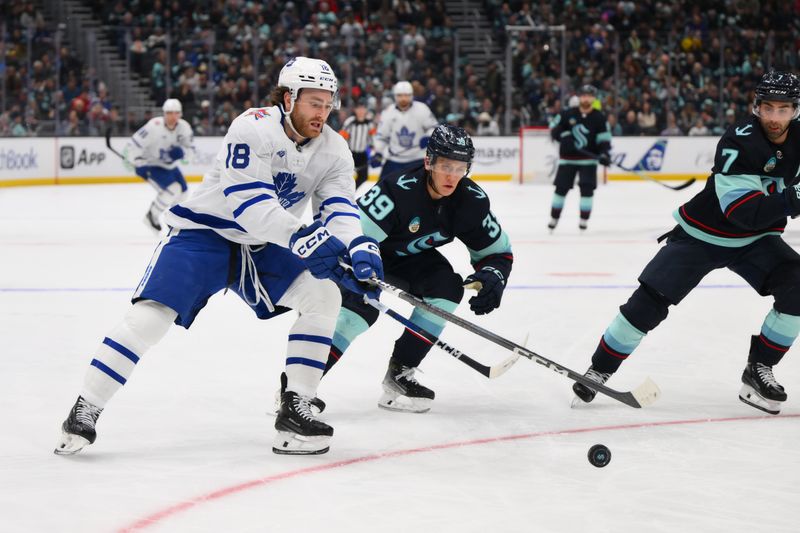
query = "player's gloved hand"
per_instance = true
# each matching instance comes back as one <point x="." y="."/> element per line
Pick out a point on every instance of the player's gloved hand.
<point x="175" y="153"/>
<point x="792" y="197"/>
<point x="423" y="142"/>
<point x="492" y="284"/>
<point x="604" y="159"/>
<point x="376" y="160"/>
<point x="319" y="250"/>
<point x="143" y="172"/>
<point x="365" y="256"/>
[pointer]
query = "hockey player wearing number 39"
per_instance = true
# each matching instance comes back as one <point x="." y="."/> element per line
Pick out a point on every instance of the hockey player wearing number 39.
<point x="411" y="215"/>
<point x="241" y="231"/>
<point x="155" y="150"/>
<point x="735" y="222"/>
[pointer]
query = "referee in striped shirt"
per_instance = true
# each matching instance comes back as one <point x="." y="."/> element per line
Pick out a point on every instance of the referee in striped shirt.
<point x="358" y="131"/>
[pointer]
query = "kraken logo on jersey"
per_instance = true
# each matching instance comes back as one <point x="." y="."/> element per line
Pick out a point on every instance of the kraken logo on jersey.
<point x="285" y="183"/>
<point x="413" y="226"/>
<point x="426" y="242"/>
<point x="579" y="132"/>
<point x="403" y="182"/>
<point x="770" y="166"/>
<point x="479" y="194"/>
<point x="405" y="137"/>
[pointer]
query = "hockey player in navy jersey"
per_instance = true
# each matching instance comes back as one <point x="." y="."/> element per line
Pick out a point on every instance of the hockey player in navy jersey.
<point x="155" y="150"/>
<point x="585" y="140"/>
<point x="411" y="215"/>
<point x="241" y="231"/>
<point x="735" y="222"/>
<point x="403" y="133"/>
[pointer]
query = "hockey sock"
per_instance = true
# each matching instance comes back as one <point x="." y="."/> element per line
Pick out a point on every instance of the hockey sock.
<point x="617" y="343"/>
<point x="778" y="332"/>
<point x="349" y="325"/>
<point x="318" y="304"/>
<point x="586" y="206"/>
<point x="145" y="323"/>
<point x="557" y="205"/>
<point x="410" y="349"/>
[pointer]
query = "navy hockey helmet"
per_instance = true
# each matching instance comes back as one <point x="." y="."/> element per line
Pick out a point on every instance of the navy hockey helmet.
<point x="451" y="142"/>
<point x="778" y="86"/>
<point x="588" y="89"/>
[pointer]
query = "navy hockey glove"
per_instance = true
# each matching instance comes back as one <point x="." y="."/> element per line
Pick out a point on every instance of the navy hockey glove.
<point x="791" y="197"/>
<point x="377" y="160"/>
<point x="175" y="153"/>
<point x="365" y="256"/>
<point x="604" y="159"/>
<point x="319" y="250"/>
<point x="490" y="293"/>
<point x="423" y="142"/>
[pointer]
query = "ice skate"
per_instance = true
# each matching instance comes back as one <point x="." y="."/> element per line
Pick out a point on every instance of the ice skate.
<point x="317" y="404"/>
<point x="299" y="433"/>
<point x="552" y="224"/>
<point x="760" y="389"/>
<point x="402" y="392"/>
<point x="78" y="429"/>
<point x="584" y="394"/>
<point x="152" y="221"/>
<point x="583" y="224"/>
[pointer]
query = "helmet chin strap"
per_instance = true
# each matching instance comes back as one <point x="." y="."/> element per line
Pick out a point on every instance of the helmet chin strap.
<point x="287" y="115"/>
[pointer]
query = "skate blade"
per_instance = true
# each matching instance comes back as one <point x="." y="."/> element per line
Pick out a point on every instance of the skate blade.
<point x="404" y="404"/>
<point x="752" y="398"/>
<point x="71" y="444"/>
<point x="288" y="443"/>
<point x="577" y="402"/>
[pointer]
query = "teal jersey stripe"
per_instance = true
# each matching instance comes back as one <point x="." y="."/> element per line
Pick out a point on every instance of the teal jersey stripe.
<point x="730" y="188"/>
<point x="502" y="245"/>
<point x="728" y="242"/>
<point x="582" y="162"/>
<point x="603" y="137"/>
<point x="370" y="228"/>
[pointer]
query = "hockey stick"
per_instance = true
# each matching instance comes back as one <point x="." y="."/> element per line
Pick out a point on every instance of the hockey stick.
<point x="642" y="174"/>
<point x="490" y="372"/>
<point x="644" y="395"/>
<point x="108" y="144"/>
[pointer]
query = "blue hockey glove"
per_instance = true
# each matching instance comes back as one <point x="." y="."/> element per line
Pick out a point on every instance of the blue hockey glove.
<point x="143" y="172"/>
<point x="175" y="153"/>
<point x="604" y="159"/>
<point x="492" y="284"/>
<point x="365" y="256"/>
<point x="423" y="142"/>
<point x="376" y="160"/>
<point x="319" y="250"/>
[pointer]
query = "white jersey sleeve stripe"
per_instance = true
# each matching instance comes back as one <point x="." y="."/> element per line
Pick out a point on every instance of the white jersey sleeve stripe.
<point x="244" y="205"/>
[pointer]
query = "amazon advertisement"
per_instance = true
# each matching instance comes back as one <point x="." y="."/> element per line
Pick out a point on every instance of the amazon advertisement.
<point x="72" y="160"/>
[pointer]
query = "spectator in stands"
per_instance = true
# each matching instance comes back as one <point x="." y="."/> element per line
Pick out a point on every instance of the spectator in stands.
<point x="646" y="119"/>
<point x="699" y="128"/>
<point x="672" y="128"/>
<point x="630" y="127"/>
<point x="487" y="125"/>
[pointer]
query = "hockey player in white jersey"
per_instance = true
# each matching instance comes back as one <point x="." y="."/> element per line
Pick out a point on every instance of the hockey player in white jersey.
<point x="241" y="231"/>
<point x="403" y="133"/>
<point x="154" y="150"/>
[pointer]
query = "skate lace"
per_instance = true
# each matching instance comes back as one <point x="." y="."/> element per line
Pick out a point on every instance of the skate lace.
<point x="599" y="377"/>
<point x="408" y="374"/>
<point x="302" y="407"/>
<point x="249" y="270"/>
<point x="766" y="375"/>
<point x="87" y="414"/>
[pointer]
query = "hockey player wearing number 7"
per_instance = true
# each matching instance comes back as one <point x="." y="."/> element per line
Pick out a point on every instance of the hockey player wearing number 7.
<point x="154" y="150"/>
<point x="411" y="215"/>
<point x="735" y="222"/>
<point x="241" y="231"/>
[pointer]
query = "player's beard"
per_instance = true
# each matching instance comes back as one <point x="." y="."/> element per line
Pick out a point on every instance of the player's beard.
<point x="769" y="131"/>
<point x="303" y="126"/>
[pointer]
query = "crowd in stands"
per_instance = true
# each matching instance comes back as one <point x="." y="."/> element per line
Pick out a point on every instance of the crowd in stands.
<point x="662" y="68"/>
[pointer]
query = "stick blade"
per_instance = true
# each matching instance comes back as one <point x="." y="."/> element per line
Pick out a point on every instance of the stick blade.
<point x="647" y="393"/>
<point x="502" y="368"/>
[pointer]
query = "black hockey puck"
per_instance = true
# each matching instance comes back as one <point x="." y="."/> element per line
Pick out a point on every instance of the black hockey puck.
<point x="599" y="455"/>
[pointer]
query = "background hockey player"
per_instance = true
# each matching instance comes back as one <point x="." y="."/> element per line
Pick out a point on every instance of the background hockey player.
<point x="411" y="215"/>
<point x="154" y="150"/>
<point x="241" y="231"/>
<point x="735" y="222"/>
<point x="585" y="140"/>
<point x="358" y="129"/>
<point x="403" y="132"/>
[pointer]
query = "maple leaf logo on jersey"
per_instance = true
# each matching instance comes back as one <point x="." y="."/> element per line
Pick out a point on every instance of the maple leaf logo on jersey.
<point x="285" y="182"/>
<point x="406" y="137"/>
<point x="258" y="113"/>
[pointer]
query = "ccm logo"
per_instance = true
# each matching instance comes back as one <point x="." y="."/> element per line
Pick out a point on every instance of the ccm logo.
<point x="307" y="246"/>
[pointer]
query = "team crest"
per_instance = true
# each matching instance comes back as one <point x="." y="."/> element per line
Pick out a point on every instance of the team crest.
<point x="414" y="225"/>
<point x="770" y="166"/>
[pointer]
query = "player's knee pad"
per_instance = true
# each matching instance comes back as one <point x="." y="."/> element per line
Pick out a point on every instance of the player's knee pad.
<point x="562" y="189"/>
<point x="587" y="191"/>
<point x="784" y="284"/>
<point x="320" y="297"/>
<point x="145" y="323"/>
<point x="645" y="309"/>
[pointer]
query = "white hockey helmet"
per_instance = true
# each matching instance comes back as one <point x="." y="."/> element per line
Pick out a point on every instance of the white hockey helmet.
<point x="172" y="105"/>
<point x="308" y="73"/>
<point x="402" y="87"/>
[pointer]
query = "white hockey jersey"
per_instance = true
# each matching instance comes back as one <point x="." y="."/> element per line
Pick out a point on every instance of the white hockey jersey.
<point x="399" y="132"/>
<point x="261" y="183"/>
<point x="151" y="144"/>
